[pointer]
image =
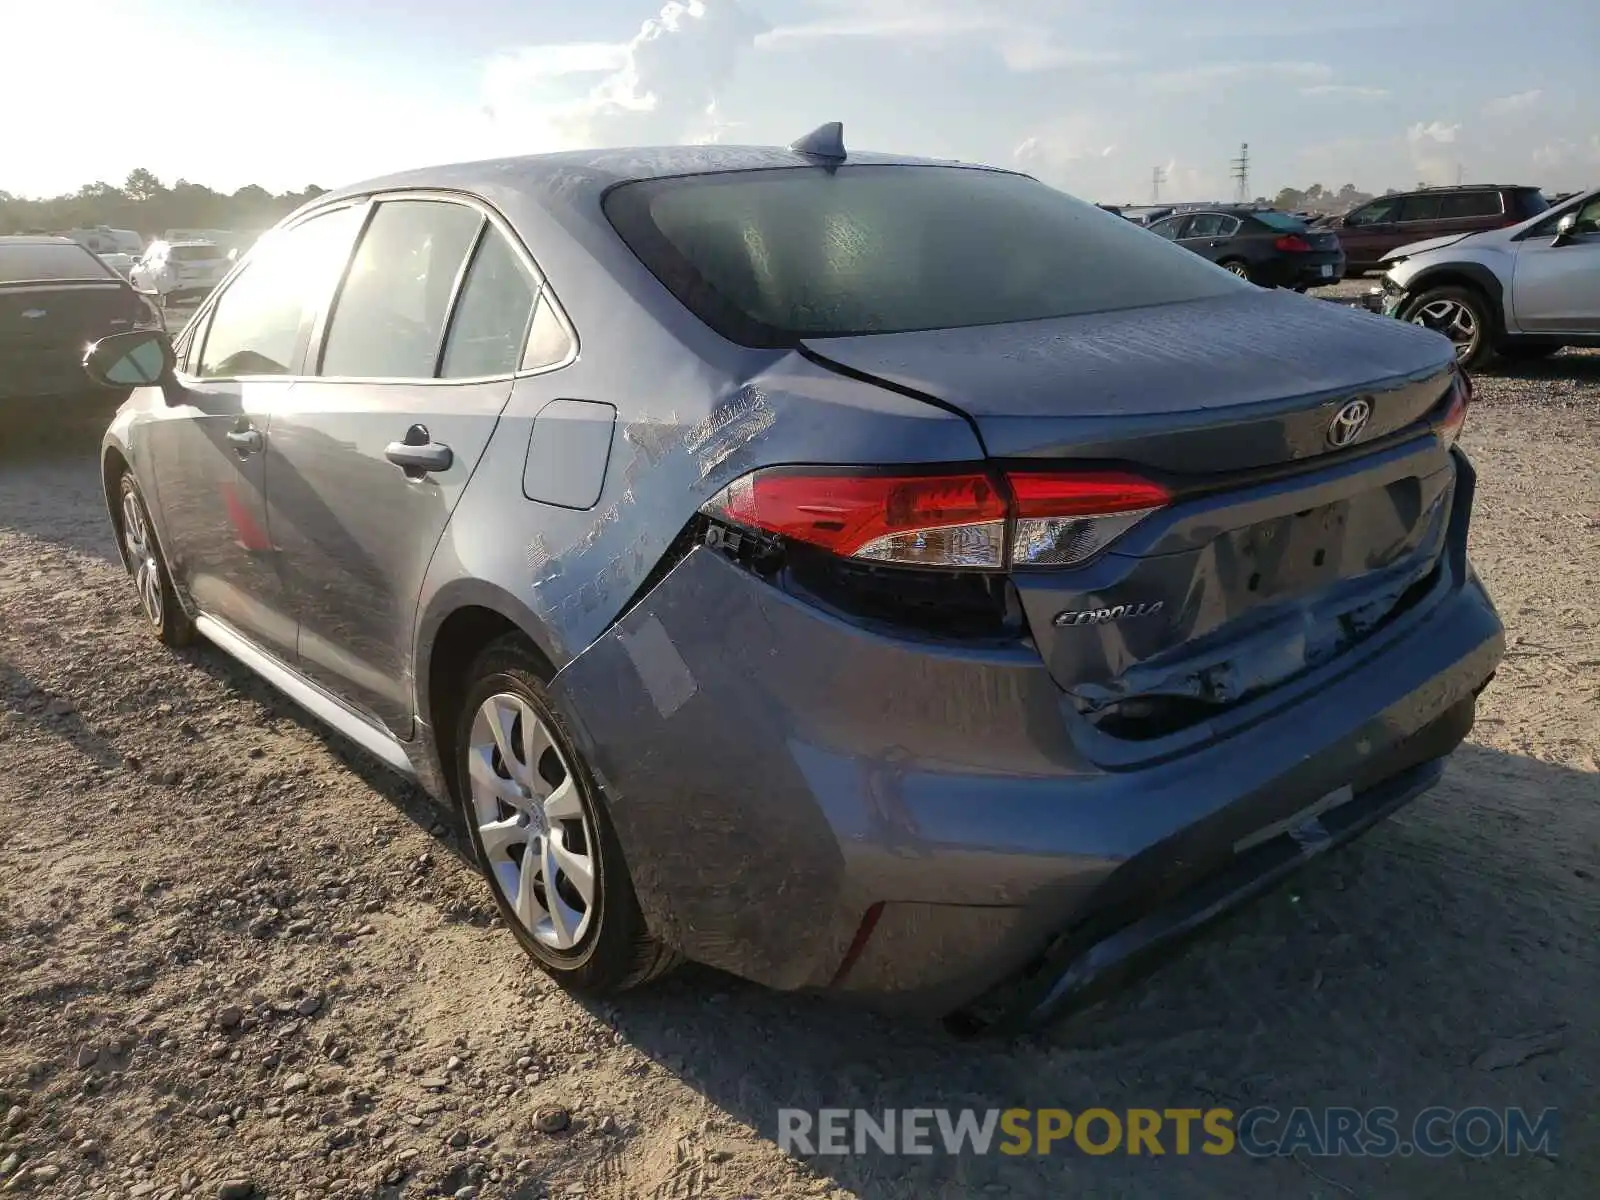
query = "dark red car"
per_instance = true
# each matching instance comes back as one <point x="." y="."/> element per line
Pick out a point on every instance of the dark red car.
<point x="1370" y="231"/>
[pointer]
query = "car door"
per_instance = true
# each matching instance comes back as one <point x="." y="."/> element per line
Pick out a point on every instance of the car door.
<point x="414" y="364"/>
<point x="1203" y="235"/>
<point x="208" y="450"/>
<point x="1371" y="231"/>
<point x="1556" y="288"/>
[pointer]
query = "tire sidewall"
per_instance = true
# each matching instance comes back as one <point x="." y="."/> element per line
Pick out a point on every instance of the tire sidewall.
<point x="176" y="629"/>
<point x="610" y="930"/>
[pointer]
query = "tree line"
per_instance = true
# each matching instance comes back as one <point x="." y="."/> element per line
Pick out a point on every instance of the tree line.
<point x="1319" y="199"/>
<point x="146" y="204"/>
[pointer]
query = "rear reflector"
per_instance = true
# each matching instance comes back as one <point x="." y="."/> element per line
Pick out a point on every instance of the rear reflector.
<point x="957" y="521"/>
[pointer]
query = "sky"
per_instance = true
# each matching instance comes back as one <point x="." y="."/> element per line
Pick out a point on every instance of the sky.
<point x="1090" y="97"/>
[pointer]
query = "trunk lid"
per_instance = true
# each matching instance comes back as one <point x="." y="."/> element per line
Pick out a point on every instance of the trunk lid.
<point x="1230" y="384"/>
<point x="1279" y="550"/>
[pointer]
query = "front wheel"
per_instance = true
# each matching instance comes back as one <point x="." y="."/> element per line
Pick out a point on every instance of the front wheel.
<point x="151" y="579"/>
<point x="1462" y="315"/>
<point x="541" y="833"/>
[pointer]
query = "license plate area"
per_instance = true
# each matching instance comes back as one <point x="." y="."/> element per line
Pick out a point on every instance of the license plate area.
<point x="1327" y="272"/>
<point x="1285" y="556"/>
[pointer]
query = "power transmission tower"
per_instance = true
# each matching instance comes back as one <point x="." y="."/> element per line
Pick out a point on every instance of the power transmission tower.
<point x="1241" y="174"/>
<point x="1158" y="176"/>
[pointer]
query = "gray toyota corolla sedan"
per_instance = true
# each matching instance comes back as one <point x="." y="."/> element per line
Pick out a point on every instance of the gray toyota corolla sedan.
<point x="879" y="576"/>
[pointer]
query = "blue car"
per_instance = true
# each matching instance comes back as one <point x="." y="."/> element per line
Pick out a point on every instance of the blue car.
<point x="882" y="577"/>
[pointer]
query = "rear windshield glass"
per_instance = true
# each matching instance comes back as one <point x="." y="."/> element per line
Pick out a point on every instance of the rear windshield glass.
<point x="769" y="257"/>
<point x="195" y="253"/>
<point x="1282" y="222"/>
<point x="27" y="262"/>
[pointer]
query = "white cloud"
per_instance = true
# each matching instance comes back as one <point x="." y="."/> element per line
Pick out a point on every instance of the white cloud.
<point x="1224" y="74"/>
<point x="1023" y="44"/>
<point x="658" y="87"/>
<point x="1434" y="131"/>
<point x="1519" y="102"/>
<point x="1346" y="91"/>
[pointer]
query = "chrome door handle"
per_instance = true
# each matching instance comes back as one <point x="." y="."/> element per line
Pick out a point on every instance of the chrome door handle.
<point x="245" y="441"/>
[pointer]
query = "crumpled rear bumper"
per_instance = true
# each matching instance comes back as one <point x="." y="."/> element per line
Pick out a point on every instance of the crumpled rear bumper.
<point x="812" y="804"/>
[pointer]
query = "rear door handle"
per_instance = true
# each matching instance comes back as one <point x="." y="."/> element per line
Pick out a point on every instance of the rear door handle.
<point x="419" y="454"/>
<point x="245" y="441"/>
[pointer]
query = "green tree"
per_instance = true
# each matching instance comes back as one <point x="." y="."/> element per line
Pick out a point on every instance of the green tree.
<point x="142" y="185"/>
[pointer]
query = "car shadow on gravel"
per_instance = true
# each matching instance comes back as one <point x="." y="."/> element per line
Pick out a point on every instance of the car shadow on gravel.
<point x="55" y="715"/>
<point x="408" y="798"/>
<point x="1564" y="367"/>
<point x="1376" y="977"/>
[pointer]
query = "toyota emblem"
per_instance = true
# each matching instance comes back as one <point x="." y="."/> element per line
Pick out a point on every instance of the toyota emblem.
<point x="1348" y="423"/>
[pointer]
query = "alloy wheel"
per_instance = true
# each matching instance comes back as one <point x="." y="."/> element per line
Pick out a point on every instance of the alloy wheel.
<point x="1453" y="319"/>
<point x="142" y="555"/>
<point x="1239" y="269"/>
<point x="537" y="837"/>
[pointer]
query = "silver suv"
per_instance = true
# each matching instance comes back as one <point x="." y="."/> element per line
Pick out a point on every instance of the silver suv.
<point x="1515" y="294"/>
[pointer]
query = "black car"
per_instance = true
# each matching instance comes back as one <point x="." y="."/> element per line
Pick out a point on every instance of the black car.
<point x="1266" y="247"/>
<point x="55" y="299"/>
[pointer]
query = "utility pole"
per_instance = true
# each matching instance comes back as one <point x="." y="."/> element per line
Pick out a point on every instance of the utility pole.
<point x="1241" y="174"/>
<point x="1158" y="176"/>
<point x="1461" y="173"/>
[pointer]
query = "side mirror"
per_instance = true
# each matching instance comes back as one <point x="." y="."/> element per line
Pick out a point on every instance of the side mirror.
<point x="1566" y="228"/>
<point x="141" y="358"/>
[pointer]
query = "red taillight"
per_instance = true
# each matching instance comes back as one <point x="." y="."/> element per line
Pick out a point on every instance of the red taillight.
<point x="946" y="521"/>
<point x="1293" y="243"/>
<point x="1455" y="413"/>
<point x="1065" y="518"/>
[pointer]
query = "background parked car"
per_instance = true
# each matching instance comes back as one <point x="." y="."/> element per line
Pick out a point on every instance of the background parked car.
<point x="180" y="270"/>
<point x="1270" y="248"/>
<point x="1369" y="232"/>
<point x="119" y="262"/>
<point x="55" y="297"/>
<point x="1517" y="293"/>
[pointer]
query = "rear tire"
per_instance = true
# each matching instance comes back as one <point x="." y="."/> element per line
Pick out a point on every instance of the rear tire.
<point x="534" y="822"/>
<point x="1237" y="266"/>
<point x="1463" y="315"/>
<point x="148" y="566"/>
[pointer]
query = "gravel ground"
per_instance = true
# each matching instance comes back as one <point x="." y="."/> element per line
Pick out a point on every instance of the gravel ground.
<point x="240" y="959"/>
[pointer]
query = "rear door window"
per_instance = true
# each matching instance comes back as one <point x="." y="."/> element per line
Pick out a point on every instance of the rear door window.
<point x="389" y="318"/>
<point x="1205" y="225"/>
<point x="36" y="262"/>
<point x="1168" y="228"/>
<point x="1470" y="204"/>
<point x="770" y="257"/>
<point x="1421" y="208"/>
<point x="490" y="322"/>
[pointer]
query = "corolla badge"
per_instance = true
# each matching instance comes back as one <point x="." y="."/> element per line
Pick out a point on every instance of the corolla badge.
<point x="1100" y="616"/>
<point x="1348" y="422"/>
<point x="32" y="314"/>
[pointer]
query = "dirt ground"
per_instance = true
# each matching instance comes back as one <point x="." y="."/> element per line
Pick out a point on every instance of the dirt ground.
<point x="237" y="958"/>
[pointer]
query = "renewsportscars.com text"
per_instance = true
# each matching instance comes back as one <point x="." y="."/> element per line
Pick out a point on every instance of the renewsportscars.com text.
<point x="1260" y="1132"/>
